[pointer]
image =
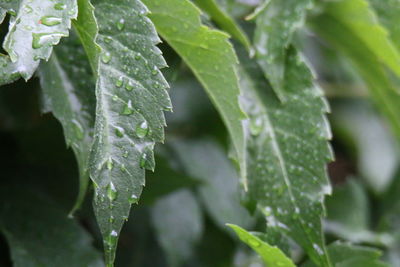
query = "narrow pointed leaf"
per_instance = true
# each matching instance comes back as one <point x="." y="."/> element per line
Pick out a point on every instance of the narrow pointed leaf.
<point x="224" y="20"/>
<point x="131" y="97"/>
<point x="271" y="256"/>
<point x="276" y="22"/>
<point x="35" y="26"/>
<point x="68" y="92"/>
<point x="40" y="234"/>
<point x="367" y="63"/>
<point x="288" y="151"/>
<point x="360" y="19"/>
<point x="211" y="58"/>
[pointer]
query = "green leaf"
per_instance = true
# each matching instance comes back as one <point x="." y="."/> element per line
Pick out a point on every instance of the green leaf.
<point x="68" y="92"/>
<point x="205" y="160"/>
<point x="362" y="22"/>
<point x="178" y="222"/>
<point x="365" y="61"/>
<point x="211" y="58"/>
<point x="347" y="255"/>
<point x="131" y="97"/>
<point x="288" y="152"/>
<point x="40" y="234"/>
<point x="272" y="256"/>
<point x="35" y="26"/>
<point x="224" y="21"/>
<point x="276" y="22"/>
<point x="388" y="14"/>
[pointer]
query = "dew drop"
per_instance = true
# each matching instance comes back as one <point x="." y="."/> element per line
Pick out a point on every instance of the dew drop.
<point x="143" y="160"/>
<point x="133" y="199"/>
<point x="41" y="39"/>
<point x="154" y="72"/>
<point x="111" y="192"/>
<point x="126" y="153"/>
<point x="142" y="129"/>
<point x="129" y="86"/>
<point x="78" y="129"/>
<point x="50" y="21"/>
<point x="28" y="9"/>
<point x="256" y="126"/>
<point x="121" y="24"/>
<point x="119" y="131"/>
<point x="119" y="82"/>
<point x="128" y="109"/>
<point x="60" y="6"/>
<point x="106" y="57"/>
<point x="110" y="164"/>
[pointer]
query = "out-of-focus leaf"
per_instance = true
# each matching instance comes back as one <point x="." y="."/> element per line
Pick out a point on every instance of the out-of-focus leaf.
<point x="164" y="181"/>
<point x="177" y="219"/>
<point x="366" y="62"/>
<point x="40" y="234"/>
<point x="276" y="22"/>
<point x="360" y="19"/>
<point x="272" y="256"/>
<point x="131" y="97"/>
<point x="376" y="148"/>
<point x="211" y="58"/>
<point x="224" y="21"/>
<point x="288" y="150"/>
<point x="204" y="160"/>
<point x="347" y="255"/>
<point x="68" y="92"/>
<point x="35" y="26"/>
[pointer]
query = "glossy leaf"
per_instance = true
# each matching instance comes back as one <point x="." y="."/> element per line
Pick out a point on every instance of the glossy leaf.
<point x="276" y="22"/>
<point x="131" y="97"/>
<point x="210" y="56"/>
<point x="68" y="92"/>
<point x="40" y="234"/>
<point x="35" y="27"/>
<point x="271" y="256"/>
<point x="288" y="151"/>
<point x="224" y="20"/>
<point x="178" y="219"/>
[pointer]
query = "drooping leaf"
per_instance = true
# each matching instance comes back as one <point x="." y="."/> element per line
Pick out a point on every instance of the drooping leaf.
<point x="178" y="220"/>
<point x="205" y="160"/>
<point x="210" y="56"/>
<point x="276" y="22"/>
<point x="288" y="151"/>
<point x="40" y="234"/>
<point x="366" y="62"/>
<point x="271" y="256"/>
<point x="35" y="26"/>
<point x="359" y="19"/>
<point x="224" y="20"/>
<point x="68" y="92"/>
<point x="347" y="255"/>
<point x="131" y="97"/>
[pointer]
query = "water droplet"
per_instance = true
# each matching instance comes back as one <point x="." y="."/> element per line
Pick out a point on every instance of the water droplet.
<point x="78" y="129"/>
<point x="28" y="9"/>
<point x="126" y="153"/>
<point x="137" y="56"/>
<point x="253" y="243"/>
<point x="129" y="86"/>
<point x="123" y="168"/>
<point x="256" y="126"/>
<point x="60" y="6"/>
<point x="143" y="160"/>
<point x="107" y="39"/>
<point x="106" y="57"/>
<point x="115" y="97"/>
<point x="133" y="199"/>
<point x="119" y="131"/>
<point x="110" y="164"/>
<point x="154" y="71"/>
<point x="119" y="82"/>
<point x="128" y="109"/>
<point x="41" y="39"/>
<point x="121" y="24"/>
<point x="50" y="21"/>
<point x="112" y="219"/>
<point x="111" y="192"/>
<point x="142" y="129"/>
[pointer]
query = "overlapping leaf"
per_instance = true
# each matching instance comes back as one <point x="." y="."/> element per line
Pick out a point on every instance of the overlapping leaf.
<point x="211" y="58"/>
<point x="287" y="153"/>
<point x="131" y="97"/>
<point x="271" y="256"/>
<point x="68" y="92"/>
<point x="276" y="23"/>
<point x="35" y="26"/>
